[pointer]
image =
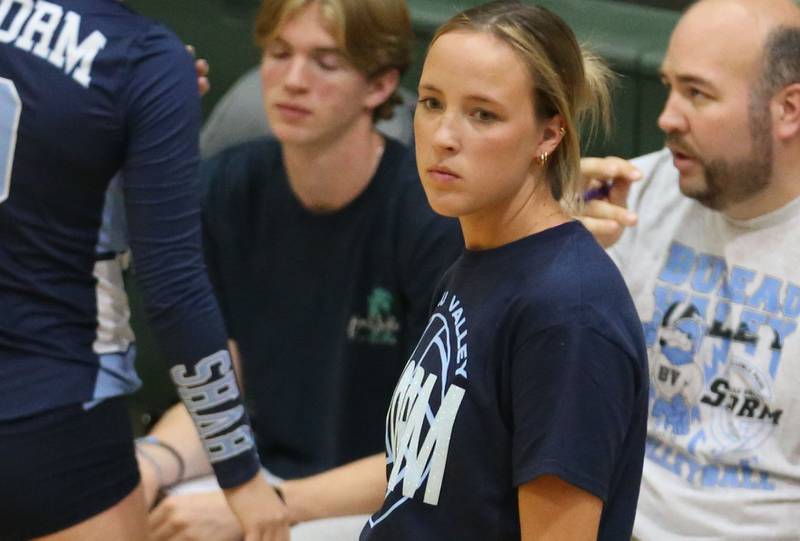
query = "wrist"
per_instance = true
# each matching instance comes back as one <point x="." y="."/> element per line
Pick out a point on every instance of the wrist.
<point x="164" y="463"/>
<point x="297" y="504"/>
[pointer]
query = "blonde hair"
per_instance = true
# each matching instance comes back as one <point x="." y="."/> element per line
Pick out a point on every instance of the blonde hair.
<point x="375" y="35"/>
<point x="568" y="80"/>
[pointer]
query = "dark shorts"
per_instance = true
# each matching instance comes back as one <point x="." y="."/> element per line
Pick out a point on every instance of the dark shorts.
<point x="61" y="467"/>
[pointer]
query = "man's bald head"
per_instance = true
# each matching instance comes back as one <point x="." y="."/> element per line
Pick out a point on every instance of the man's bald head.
<point x="768" y="29"/>
<point x="764" y="15"/>
<point x="729" y="64"/>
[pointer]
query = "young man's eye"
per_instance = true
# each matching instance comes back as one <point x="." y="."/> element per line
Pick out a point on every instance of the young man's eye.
<point x="328" y="62"/>
<point x="276" y="51"/>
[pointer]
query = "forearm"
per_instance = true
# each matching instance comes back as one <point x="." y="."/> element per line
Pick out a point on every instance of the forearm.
<point x="353" y="489"/>
<point x="176" y="429"/>
<point x="159" y="467"/>
<point x="551" y="509"/>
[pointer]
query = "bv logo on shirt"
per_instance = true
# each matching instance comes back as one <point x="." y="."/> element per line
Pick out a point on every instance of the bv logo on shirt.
<point x="424" y="408"/>
<point x="716" y="340"/>
<point x="380" y="326"/>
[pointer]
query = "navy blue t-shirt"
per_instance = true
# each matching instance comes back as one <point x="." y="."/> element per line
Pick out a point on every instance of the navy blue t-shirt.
<point x="533" y="363"/>
<point x="89" y="88"/>
<point x="329" y="303"/>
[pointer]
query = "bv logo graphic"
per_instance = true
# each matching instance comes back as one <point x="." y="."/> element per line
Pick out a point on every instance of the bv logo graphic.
<point x="424" y="407"/>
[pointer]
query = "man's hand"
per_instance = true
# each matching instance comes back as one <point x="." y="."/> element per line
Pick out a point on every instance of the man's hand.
<point x="260" y="511"/>
<point x="190" y="517"/>
<point x="607" y="217"/>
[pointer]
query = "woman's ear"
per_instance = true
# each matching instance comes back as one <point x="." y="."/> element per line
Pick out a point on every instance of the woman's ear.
<point x="381" y="87"/>
<point x="552" y="134"/>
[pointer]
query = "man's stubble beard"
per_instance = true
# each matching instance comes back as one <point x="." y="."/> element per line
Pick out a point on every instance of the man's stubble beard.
<point x="728" y="182"/>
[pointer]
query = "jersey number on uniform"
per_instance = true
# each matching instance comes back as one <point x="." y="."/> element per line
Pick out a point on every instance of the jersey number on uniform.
<point x="10" y="107"/>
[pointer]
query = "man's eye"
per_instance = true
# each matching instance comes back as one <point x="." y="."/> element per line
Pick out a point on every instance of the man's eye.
<point x="277" y="52"/>
<point x="696" y="94"/>
<point x="328" y="62"/>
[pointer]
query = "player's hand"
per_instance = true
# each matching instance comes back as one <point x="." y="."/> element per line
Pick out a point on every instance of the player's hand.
<point x="202" y="68"/>
<point x="261" y="513"/>
<point x="606" y="216"/>
<point x="190" y="517"/>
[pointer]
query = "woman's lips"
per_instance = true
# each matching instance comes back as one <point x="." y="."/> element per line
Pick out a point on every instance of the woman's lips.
<point x="443" y="174"/>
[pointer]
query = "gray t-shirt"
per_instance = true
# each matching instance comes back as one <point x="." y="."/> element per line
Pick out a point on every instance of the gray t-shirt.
<point x="720" y="300"/>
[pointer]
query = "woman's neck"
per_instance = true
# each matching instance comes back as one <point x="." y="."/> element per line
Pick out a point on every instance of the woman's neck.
<point x="326" y="177"/>
<point x="511" y="220"/>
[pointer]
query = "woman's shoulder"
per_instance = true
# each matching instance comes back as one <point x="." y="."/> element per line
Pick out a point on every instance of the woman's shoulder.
<point x="577" y="283"/>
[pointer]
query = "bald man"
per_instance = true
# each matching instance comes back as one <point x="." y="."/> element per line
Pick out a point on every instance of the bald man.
<point x="714" y="267"/>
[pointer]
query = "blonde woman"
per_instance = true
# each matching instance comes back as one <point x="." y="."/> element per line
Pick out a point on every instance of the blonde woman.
<point x="521" y="414"/>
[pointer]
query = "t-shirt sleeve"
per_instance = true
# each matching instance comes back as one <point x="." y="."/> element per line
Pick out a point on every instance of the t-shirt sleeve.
<point x="572" y="396"/>
<point x="163" y="211"/>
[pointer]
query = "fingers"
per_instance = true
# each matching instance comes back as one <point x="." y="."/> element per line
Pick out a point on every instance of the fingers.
<point x="612" y="168"/>
<point x="606" y="221"/>
<point x="606" y="232"/>
<point x="272" y="534"/>
<point x="608" y="210"/>
<point x="608" y="178"/>
<point x="263" y="516"/>
<point x="163" y="523"/>
<point x="202" y="69"/>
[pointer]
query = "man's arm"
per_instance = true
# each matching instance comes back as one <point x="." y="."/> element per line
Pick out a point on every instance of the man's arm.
<point x="553" y="510"/>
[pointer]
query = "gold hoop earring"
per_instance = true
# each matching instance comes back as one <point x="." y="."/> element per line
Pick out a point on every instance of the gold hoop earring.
<point x="543" y="159"/>
<point x="563" y="131"/>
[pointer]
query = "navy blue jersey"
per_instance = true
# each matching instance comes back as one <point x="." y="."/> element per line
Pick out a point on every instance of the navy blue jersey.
<point x="533" y="363"/>
<point x="89" y="88"/>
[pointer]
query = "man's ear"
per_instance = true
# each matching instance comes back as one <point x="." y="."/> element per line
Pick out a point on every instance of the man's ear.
<point x="785" y="110"/>
<point x="381" y="87"/>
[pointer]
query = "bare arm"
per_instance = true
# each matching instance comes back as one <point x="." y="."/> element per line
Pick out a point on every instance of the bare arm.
<point x="353" y="489"/>
<point x="553" y="510"/>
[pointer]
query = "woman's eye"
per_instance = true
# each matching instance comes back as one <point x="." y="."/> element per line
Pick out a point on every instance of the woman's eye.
<point x="482" y="115"/>
<point x="430" y="104"/>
